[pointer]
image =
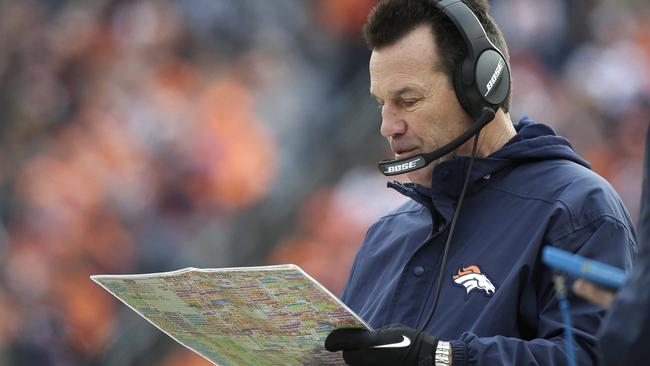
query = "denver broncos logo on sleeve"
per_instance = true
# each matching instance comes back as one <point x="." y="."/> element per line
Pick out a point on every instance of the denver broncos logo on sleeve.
<point x="472" y="279"/>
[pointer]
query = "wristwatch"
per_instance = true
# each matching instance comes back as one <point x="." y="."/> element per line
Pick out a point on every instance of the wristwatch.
<point x="443" y="354"/>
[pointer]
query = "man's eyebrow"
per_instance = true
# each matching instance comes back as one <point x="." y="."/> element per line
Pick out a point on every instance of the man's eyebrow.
<point x="401" y="91"/>
<point x="397" y="93"/>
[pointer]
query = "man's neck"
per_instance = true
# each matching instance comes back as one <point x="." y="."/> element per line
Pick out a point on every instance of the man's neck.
<point x="496" y="134"/>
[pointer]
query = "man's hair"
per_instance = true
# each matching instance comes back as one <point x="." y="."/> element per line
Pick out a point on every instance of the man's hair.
<point x="391" y="20"/>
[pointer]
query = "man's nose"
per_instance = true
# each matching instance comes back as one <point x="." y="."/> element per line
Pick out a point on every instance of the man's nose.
<point x="392" y="122"/>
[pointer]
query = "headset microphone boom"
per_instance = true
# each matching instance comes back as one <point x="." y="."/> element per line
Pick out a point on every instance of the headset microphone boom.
<point x="401" y="166"/>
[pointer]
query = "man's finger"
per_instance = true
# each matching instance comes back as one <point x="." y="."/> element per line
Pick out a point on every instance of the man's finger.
<point x="593" y="293"/>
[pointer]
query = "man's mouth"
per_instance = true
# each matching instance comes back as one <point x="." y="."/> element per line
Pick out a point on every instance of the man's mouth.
<point x="402" y="154"/>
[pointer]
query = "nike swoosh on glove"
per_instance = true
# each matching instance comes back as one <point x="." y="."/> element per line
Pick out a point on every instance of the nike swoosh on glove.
<point x="388" y="346"/>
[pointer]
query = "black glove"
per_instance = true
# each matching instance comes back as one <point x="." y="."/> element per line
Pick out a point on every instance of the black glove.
<point x="389" y="346"/>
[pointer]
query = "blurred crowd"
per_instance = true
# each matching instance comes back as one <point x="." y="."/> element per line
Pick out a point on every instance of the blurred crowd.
<point x="147" y="135"/>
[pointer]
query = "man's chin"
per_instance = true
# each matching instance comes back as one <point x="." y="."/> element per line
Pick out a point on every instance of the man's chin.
<point x="421" y="176"/>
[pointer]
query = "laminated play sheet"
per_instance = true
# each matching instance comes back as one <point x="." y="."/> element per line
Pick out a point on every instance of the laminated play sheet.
<point x="271" y="315"/>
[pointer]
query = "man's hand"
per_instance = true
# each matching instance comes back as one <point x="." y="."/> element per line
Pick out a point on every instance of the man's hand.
<point x="388" y="346"/>
<point x="593" y="293"/>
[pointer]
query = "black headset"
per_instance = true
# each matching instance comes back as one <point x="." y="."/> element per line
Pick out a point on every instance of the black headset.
<point x="481" y="83"/>
<point x="482" y="79"/>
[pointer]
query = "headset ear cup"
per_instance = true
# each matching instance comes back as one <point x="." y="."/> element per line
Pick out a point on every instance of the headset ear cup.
<point x="491" y="82"/>
<point x="492" y="79"/>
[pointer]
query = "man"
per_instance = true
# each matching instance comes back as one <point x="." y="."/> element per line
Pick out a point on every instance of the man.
<point x="479" y="296"/>
<point x="625" y="332"/>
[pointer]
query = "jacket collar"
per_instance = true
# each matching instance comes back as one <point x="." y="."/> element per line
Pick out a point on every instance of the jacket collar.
<point x="447" y="183"/>
<point x="533" y="142"/>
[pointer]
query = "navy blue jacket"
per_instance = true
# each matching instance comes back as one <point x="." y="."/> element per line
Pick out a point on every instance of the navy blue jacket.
<point x="497" y="303"/>
<point x="625" y="333"/>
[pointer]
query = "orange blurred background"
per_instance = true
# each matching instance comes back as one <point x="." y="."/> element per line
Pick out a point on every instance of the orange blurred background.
<point x="146" y="136"/>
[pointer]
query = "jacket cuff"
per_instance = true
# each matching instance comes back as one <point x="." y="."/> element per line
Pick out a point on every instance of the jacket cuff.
<point x="459" y="353"/>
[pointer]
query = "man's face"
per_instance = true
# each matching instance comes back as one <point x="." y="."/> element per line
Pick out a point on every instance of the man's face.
<point x="420" y="111"/>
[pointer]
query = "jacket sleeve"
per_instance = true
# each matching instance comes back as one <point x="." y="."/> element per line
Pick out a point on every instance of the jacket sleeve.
<point x="606" y="239"/>
<point x="625" y="332"/>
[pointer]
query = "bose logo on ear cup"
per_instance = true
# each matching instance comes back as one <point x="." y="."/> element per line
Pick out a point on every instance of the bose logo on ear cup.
<point x="495" y="77"/>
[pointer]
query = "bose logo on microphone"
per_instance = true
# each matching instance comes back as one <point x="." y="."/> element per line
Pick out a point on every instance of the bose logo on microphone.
<point x="402" y="167"/>
<point x="495" y="77"/>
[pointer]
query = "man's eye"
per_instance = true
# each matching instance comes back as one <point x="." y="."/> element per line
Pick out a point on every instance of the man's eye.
<point x="408" y="103"/>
